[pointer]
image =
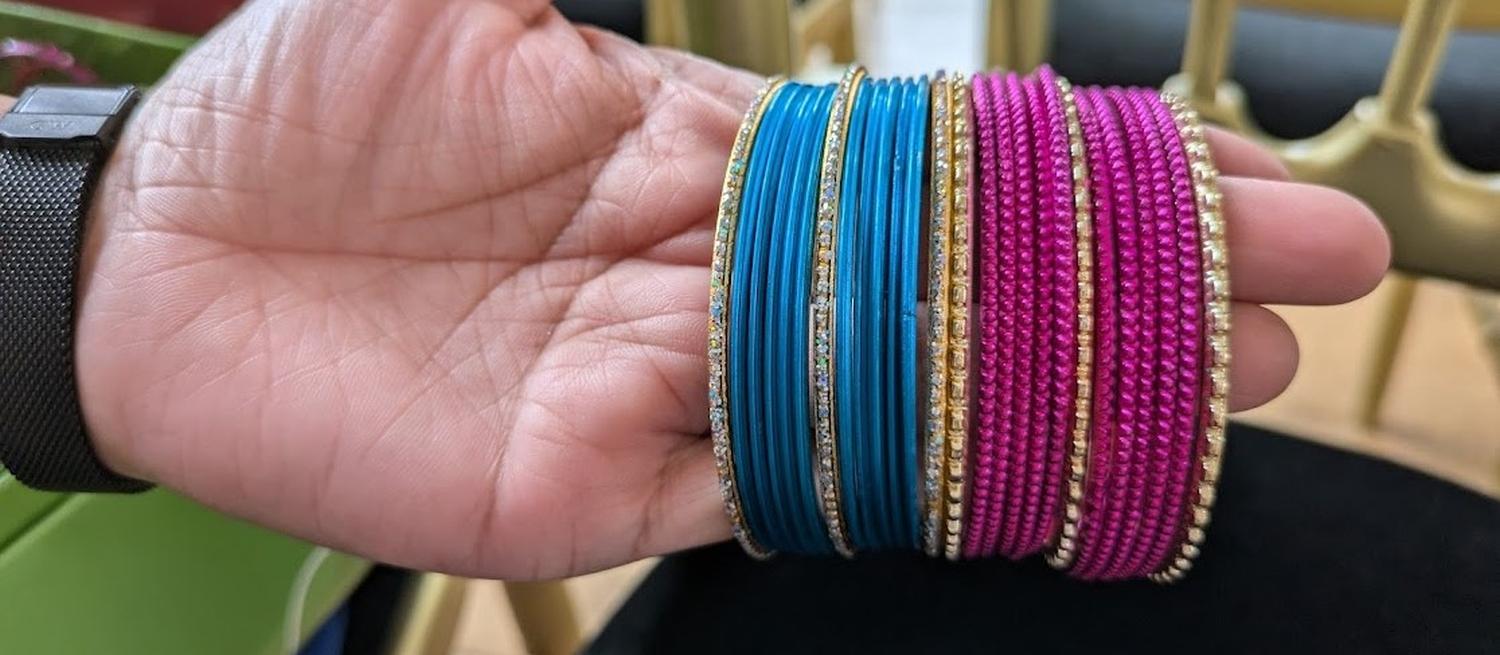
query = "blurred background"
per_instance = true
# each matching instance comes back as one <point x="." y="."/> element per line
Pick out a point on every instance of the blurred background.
<point x="1396" y="101"/>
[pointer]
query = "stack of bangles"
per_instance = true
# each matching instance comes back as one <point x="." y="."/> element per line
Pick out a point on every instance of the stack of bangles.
<point x="971" y="316"/>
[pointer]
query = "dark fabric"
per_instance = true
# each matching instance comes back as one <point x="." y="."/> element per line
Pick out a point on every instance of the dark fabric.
<point x="374" y="609"/>
<point x="1311" y="550"/>
<point x="1301" y="72"/>
<point x="621" y="16"/>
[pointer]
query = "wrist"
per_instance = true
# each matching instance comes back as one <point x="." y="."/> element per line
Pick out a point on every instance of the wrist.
<point x="103" y="388"/>
<point x="55" y="141"/>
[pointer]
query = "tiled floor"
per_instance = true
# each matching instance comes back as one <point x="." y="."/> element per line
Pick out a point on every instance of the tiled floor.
<point x="1442" y="416"/>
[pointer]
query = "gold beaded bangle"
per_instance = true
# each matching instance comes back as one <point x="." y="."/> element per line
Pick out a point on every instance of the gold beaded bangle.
<point x="958" y="319"/>
<point x="718" y="316"/>
<point x="933" y="486"/>
<point x="823" y="345"/>
<point x="1083" y="222"/>
<point x="1211" y="224"/>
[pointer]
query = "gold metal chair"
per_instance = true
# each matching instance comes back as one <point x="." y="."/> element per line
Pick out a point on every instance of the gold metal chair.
<point x="429" y="618"/>
<point x="545" y="615"/>
<point x="770" y="37"/>
<point x="1444" y="220"/>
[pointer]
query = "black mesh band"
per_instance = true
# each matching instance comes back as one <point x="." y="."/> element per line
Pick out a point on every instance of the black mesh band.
<point x="44" y="194"/>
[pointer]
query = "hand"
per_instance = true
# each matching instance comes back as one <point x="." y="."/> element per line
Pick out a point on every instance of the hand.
<point x="427" y="281"/>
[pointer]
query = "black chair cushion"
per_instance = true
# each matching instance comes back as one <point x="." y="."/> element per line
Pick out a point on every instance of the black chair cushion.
<point x="1312" y="550"/>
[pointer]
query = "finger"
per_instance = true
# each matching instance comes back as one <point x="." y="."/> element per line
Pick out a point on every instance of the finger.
<point x="1264" y="353"/>
<point x="1239" y="156"/>
<point x="731" y="86"/>
<point x="688" y="509"/>
<point x="1301" y="244"/>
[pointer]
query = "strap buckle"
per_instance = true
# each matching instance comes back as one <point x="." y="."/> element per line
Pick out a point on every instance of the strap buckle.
<point x="53" y="115"/>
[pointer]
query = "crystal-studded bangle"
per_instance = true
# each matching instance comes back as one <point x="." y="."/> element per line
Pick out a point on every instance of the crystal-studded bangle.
<point x="824" y="258"/>
<point x="1215" y="263"/>
<point x="719" y="285"/>
<point x="957" y="422"/>
<point x="1078" y="445"/>
<point x="940" y="236"/>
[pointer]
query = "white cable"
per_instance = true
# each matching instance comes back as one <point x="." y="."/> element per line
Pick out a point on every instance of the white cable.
<point x="291" y="635"/>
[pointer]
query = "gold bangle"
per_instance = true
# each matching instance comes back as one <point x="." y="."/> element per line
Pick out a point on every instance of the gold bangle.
<point x="824" y="345"/>
<point x="936" y="450"/>
<point x="958" y="319"/>
<point x="1083" y="222"/>
<point x="718" y="316"/>
<point x="1211" y="225"/>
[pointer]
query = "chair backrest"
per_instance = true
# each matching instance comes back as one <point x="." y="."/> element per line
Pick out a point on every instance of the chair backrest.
<point x="1444" y="219"/>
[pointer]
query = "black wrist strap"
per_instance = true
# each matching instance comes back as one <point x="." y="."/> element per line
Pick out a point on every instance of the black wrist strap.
<point x="52" y="145"/>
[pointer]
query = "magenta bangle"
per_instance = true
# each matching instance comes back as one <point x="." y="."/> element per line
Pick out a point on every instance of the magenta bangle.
<point x="1161" y="220"/>
<point x="1064" y="315"/>
<point x="1105" y="316"/>
<point x="988" y="309"/>
<point x="1188" y="351"/>
<point x="1145" y="449"/>
<point x="1013" y="441"/>
<point x="1110" y="470"/>
<point x="1111" y="487"/>
<point x="1032" y="438"/>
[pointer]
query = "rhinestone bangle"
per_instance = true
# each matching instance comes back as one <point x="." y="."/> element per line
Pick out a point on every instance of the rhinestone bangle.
<point x="830" y="177"/>
<point x="718" y="312"/>
<point x="958" y="316"/>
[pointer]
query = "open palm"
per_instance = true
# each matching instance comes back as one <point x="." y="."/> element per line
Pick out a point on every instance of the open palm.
<point x="426" y="280"/>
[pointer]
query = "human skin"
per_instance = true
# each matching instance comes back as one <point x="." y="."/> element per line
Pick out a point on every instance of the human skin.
<point x="426" y="280"/>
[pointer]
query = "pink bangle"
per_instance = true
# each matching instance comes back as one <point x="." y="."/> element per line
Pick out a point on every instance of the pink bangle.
<point x="1057" y="307"/>
<point x="1189" y="348"/>
<point x="1161" y="222"/>
<point x="1114" y="440"/>
<point x="1145" y="448"/>
<point x="987" y="281"/>
<point x="1100" y="411"/>
<point x="1013" y="440"/>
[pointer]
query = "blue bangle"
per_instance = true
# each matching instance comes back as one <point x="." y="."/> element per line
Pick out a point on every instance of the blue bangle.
<point x="891" y="354"/>
<point x="789" y="386"/>
<point x="848" y="412"/>
<point x="751" y="471"/>
<point x="771" y="365"/>
<point x="875" y="287"/>
<point x="852" y="210"/>
<point x="910" y="218"/>
<point x="859" y="383"/>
